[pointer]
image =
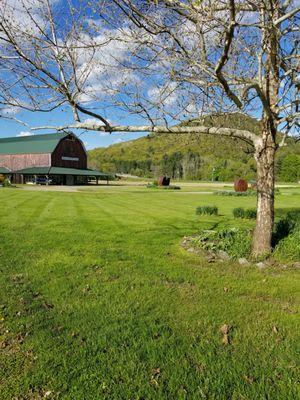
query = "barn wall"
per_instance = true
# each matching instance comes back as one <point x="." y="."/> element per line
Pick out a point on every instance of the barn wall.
<point x="69" y="153"/>
<point x="20" y="161"/>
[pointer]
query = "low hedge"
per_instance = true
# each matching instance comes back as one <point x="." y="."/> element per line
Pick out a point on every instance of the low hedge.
<point x="207" y="210"/>
<point x="249" y="213"/>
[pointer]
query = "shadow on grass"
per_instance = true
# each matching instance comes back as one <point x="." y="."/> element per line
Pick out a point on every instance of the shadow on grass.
<point x="289" y="218"/>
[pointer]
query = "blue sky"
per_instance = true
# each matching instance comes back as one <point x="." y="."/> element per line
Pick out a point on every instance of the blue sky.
<point x="61" y="117"/>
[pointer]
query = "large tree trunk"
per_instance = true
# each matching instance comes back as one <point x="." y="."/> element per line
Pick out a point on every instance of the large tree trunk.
<point x="266" y="148"/>
<point x="265" y="155"/>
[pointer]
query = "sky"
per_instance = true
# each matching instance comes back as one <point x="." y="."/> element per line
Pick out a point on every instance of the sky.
<point x="91" y="139"/>
<point x="63" y="115"/>
<point x="99" y="81"/>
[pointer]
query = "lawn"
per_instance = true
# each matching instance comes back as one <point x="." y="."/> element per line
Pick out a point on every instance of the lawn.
<point x="99" y="301"/>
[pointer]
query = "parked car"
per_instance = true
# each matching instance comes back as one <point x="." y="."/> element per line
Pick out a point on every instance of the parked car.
<point x="43" y="180"/>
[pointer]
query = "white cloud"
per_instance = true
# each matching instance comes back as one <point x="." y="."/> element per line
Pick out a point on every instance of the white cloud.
<point x="102" y="69"/>
<point x="9" y="110"/>
<point x="166" y="94"/>
<point x="116" y="141"/>
<point x="25" y="133"/>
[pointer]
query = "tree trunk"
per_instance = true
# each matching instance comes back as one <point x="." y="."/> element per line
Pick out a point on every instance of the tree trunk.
<point x="265" y="155"/>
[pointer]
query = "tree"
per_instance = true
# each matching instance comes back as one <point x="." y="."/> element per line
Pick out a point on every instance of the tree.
<point x="290" y="168"/>
<point x="165" y="61"/>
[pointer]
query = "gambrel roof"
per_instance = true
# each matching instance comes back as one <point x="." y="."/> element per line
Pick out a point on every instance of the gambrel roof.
<point x="31" y="144"/>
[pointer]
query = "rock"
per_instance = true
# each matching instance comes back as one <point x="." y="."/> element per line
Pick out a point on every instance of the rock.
<point x="191" y="250"/>
<point x="210" y="256"/>
<point x="223" y="255"/>
<point x="296" y="264"/>
<point x="243" y="261"/>
<point x="261" y="265"/>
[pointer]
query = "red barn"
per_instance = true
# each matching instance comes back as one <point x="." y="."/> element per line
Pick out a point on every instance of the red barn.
<point x="57" y="157"/>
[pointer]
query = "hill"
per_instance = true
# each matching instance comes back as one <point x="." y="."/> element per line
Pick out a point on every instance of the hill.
<point x="195" y="157"/>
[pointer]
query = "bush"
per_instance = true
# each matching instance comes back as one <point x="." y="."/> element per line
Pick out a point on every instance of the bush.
<point x="152" y="185"/>
<point x="238" y="212"/>
<point x="6" y="183"/>
<point x="242" y="213"/>
<point x="250" y="213"/>
<point x="236" y="242"/>
<point x="250" y="192"/>
<point x="207" y="210"/>
<point x="288" y="248"/>
<point x="285" y="226"/>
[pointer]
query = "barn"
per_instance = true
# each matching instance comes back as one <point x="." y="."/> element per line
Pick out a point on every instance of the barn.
<point x="59" y="158"/>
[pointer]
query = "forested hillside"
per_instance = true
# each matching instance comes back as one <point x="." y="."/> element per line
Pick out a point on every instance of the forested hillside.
<point x="195" y="157"/>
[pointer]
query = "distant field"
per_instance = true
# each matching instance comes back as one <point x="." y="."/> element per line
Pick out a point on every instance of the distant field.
<point x="99" y="301"/>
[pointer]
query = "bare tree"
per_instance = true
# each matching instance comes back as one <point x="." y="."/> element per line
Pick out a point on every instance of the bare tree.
<point x="164" y="61"/>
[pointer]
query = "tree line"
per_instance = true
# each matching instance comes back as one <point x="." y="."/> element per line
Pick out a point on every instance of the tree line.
<point x="192" y="165"/>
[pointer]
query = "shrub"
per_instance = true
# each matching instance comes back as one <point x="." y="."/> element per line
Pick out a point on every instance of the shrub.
<point x="288" y="248"/>
<point x="286" y="237"/>
<point x="242" y="213"/>
<point x="286" y="225"/>
<point x="236" y="242"/>
<point x="6" y="183"/>
<point x="207" y="210"/>
<point x="152" y="185"/>
<point x="294" y="216"/>
<point x="236" y="194"/>
<point x="238" y="212"/>
<point x="250" y="213"/>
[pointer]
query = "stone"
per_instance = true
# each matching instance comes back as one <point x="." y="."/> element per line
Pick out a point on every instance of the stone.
<point x="261" y="265"/>
<point x="296" y="264"/>
<point x="191" y="250"/>
<point x="243" y="261"/>
<point x="223" y="255"/>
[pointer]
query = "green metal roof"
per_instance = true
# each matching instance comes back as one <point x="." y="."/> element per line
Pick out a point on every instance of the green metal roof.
<point x="74" y="171"/>
<point x="61" y="171"/>
<point x="4" y="170"/>
<point x="31" y="144"/>
<point x="33" y="171"/>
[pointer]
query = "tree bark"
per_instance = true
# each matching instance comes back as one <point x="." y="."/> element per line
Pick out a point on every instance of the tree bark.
<point x="266" y="148"/>
<point x="265" y="156"/>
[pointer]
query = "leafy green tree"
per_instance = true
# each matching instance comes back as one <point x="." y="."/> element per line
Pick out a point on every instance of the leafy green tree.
<point x="290" y="168"/>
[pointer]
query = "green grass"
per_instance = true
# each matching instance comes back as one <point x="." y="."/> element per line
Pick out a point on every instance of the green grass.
<point x="98" y="301"/>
